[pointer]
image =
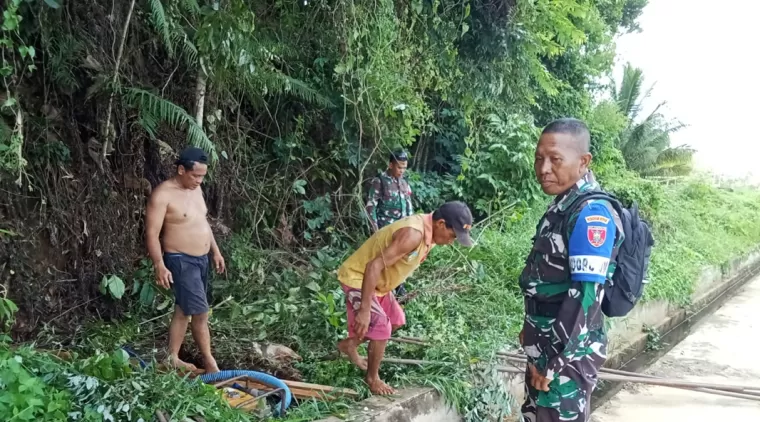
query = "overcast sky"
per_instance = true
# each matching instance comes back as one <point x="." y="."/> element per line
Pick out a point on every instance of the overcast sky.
<point x="703" y="57"/>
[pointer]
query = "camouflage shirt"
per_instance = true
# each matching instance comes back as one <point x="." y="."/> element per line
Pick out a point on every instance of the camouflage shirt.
<point x="569" y="270"/>
<point x="389" y="199"/>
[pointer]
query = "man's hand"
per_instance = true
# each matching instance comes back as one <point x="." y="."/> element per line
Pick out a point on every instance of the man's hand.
<point x="538" y="381"/>
<point x="163" y="276"/>
<point x="522" y="337"/>
<point x="219" y="263"/>
<point x="361" y="324"/>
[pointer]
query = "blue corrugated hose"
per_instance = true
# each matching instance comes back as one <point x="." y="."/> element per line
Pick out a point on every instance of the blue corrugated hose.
<point x="225" y="375"/>
<point x="258" y="376"/>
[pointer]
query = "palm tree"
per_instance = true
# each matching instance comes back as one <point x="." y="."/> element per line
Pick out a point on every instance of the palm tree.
<point x="645" y="143"/>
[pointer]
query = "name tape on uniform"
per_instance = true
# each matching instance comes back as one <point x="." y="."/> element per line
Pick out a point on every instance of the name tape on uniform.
<point x="589" y="264"/>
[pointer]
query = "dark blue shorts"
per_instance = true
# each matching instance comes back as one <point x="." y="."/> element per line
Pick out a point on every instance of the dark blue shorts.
<point x="190" y="276"/>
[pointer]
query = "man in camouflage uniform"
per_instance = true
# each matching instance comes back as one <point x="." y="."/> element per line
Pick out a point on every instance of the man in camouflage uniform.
<point x="563" y="332"/>
<point x="390" y="197"/>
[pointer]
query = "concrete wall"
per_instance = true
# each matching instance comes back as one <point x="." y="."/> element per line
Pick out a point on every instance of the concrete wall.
<point x="411" y="405"/>
<point x="626" y="339"/>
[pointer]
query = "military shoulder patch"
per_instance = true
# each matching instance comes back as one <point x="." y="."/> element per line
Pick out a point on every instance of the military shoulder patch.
<point x="596" y="235"/>
<point x="597" y="219"/>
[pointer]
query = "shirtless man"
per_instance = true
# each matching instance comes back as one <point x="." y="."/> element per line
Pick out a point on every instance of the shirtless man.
<point x="179" y="238"/>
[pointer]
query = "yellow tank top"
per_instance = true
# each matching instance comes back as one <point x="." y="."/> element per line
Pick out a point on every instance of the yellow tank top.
<point x="351" y="273"/>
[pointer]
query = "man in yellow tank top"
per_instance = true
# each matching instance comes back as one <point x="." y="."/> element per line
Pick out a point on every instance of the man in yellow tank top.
<point x="381" y="264"/>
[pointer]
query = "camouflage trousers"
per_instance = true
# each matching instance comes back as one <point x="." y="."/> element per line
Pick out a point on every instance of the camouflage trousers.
<point x="569" y="395"/>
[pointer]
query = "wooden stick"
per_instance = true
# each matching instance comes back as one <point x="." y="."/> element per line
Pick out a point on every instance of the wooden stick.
<point x="160" y="416"/>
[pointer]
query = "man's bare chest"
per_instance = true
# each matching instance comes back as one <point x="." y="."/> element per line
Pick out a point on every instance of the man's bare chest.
<point x="186" y="208"/>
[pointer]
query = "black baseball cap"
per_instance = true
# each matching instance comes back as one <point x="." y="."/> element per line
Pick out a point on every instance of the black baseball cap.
<point x="457" y="215"/>
<point x="192" y="154"/>
<point x="398" y="156"/>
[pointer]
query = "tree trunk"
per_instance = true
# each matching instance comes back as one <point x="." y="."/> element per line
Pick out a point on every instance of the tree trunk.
<point x="200" y="98"/>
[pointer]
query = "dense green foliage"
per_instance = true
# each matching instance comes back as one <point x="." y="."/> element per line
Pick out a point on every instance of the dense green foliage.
<point x="298" y="103"/>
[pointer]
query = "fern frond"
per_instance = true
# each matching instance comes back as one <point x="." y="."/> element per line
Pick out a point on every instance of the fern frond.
<point x="161" y="23"/>
<point x="191" y="6"/>
<point x="274" y="82"/>
<point x="65" y="51"/>
<point x="189" y="50"/>
<point x="302" y="90"/>
<point x="153" y="109"/>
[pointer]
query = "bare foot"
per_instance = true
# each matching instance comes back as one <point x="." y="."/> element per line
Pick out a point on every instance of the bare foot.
<point x="349" y="349"/>
<point x="378" y="387"/>
<point x="210" y="365"/>
<point x="177" y="363"/>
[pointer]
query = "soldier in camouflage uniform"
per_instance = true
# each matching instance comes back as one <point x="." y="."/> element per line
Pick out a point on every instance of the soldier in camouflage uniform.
<point x="390" y="197"/>
<point x="563" y="332"/>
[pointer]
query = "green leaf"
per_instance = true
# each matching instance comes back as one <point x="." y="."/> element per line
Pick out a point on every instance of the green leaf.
<point x="103" y="287"/>
<point x="114" y="285"/>
<point x="31" y="51"/>
<point x="314" y="287"/>
<point x="9" y="102"/>
<point x="164" y="304"/>
<point x="52" y="3"/>
<point x="340" y="69"/>
<point x="8" y="304"/>
<point x="120" y="357"/>
<point x="147" y="294"/>
<point x="10" y="21"/>
<point x="298" y="186"/>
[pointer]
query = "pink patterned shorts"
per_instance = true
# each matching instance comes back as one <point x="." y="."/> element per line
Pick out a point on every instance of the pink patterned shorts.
<point x="385" y="314"/>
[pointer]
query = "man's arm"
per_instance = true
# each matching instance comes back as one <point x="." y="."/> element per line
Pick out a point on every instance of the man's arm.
<point x="373" y="198"/>
<point x="409" y="206"/>
<point x="154" y="222"/>
<point x="589" y="249"/>
<point x="219" y="264"/>
<point x="214" y="247"/>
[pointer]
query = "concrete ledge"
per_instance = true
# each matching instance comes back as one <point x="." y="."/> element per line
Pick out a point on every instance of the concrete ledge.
<point x="414" y="404"/>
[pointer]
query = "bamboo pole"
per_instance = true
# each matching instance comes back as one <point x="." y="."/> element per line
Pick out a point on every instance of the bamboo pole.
<point x="413" y="361"/>
<point x="662" y="382"/>
<point x="744" y="394"/>
<point x="409" y="341"/>
<point x="607" y="374"/>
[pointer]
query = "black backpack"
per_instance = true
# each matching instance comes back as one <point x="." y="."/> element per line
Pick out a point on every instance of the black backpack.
<point x="623" y="291"/>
